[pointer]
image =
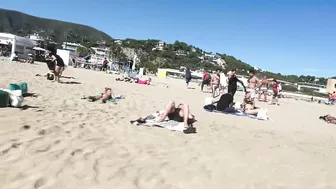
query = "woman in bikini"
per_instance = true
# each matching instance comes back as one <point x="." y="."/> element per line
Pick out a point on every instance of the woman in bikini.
<point x="181" y="113"/>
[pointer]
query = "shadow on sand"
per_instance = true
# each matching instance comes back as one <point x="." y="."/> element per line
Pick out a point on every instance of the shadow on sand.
<point x="66" y="77"/>
<point x="26" y="107"/>
<point x="70" y="82"/>
<point x="30" y="95"/>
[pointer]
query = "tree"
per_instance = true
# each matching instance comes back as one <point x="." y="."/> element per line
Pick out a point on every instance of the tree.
<point x="117" y="53"/>
<point x="84" y="51"/>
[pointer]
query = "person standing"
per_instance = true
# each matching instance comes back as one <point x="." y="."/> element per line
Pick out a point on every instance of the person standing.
<point x="206" y="80"/>
<point x="263" y="88"/>
<point x="232" y="83"/>
<point x="188" y="76"/>
<point x="223" y="82"/>
<point x="252" y="85"/>
<point x="59" y="66"/>
<point x="215" y="82"/>
<point x="276" y="91"/>
<point x="105" y="62"/>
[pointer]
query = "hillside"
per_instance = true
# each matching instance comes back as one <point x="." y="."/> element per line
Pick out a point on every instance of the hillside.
<point x="23" y="24"/>
<point x="151" y="56"/>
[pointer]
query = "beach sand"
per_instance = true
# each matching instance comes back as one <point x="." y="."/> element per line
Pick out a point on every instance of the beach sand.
<point x="63" y="142"/>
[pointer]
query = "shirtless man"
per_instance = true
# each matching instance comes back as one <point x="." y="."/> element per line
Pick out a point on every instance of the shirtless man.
<point x="252" y="85"/>
<point x="215" y="82"/>
<point x="263" y="88"/>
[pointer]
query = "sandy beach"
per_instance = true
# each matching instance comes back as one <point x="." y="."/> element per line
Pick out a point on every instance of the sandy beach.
<point x="63" y="142"/>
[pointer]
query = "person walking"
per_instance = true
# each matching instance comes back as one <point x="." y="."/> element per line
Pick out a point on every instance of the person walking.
<point x="188" y="76"/>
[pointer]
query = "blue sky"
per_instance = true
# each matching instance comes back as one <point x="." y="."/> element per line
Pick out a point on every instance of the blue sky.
<point x="286" y="36"/>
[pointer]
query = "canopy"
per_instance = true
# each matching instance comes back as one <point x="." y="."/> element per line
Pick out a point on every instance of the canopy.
<point x="39" y="49"/>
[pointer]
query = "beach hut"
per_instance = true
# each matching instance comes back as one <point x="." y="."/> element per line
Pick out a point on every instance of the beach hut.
<point x="162" y="73"/>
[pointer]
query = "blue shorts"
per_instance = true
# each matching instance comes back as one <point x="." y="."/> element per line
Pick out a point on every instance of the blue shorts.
<point x="188" y="80"/>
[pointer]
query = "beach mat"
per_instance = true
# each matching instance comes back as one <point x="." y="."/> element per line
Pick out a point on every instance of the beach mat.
<point x="116" y="99"/>
<point x="237" y="113"/>
<point x="150" y="121"/>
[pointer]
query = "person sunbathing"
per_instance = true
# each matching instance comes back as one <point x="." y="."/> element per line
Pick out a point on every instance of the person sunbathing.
<point x="144" y="81"/>
<point x="126" y="79"/>
<point x="329" y="119"/>
<point x="104" y="96"/>
<point x="248" y="105"/>
<point x="181" y="113"/>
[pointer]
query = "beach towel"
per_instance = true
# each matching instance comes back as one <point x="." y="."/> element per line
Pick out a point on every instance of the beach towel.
<point x="261" y="115"/>
<point x="152" y="121"/>
<point x="116" y="99"/>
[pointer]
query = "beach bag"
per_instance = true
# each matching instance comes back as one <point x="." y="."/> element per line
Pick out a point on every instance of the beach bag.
<point x="4" y="99"/>
<point x="15" y="97"/>
<point x="50" y="76"/>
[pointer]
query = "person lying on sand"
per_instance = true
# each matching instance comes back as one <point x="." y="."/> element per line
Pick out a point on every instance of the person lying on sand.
<point x="144" y="81"/>
<point x="104" y="96"/>
<point x="181" y="113"/>
<point x="126" y="79"/>
<point x="248" y="105"/>
<point x="329" y="119"/>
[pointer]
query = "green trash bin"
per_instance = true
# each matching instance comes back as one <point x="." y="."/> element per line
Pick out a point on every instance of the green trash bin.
<point x="4" y="99"/>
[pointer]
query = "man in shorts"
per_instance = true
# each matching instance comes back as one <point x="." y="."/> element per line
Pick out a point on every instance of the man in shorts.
<point x="215" y="83"/>
<point x="263" y="89"/>
<point x="252" y="85"/>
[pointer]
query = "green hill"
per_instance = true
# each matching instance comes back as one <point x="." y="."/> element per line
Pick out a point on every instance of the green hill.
<point x="170" y="56"/>
<point x="23" y="24"/>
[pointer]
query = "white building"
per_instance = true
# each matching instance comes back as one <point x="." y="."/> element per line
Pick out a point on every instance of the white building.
<point x="119" y="42"/>
<point x="100" y="54"/>
<point x="208" y="56"/>
<point x="39" y="39"/>
<point x="159" y="46"/>
<point x="23" y="46"/>
<point x="72" y="47"/>
<point x="180" y="53"/>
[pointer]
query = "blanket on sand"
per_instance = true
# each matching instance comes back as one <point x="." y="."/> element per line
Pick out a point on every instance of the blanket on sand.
<point x="262" y="114"/>
<point x="152" y="121"/>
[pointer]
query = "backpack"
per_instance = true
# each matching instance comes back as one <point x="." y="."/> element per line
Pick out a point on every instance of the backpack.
<point x="279" y="87"/>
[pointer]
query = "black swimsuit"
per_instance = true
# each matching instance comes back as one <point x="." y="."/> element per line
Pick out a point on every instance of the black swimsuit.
<point x="176" y="116"/>
<point x="59" y="61"/>
<point x="232" y="85"/>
